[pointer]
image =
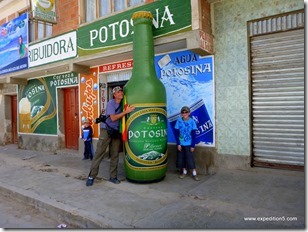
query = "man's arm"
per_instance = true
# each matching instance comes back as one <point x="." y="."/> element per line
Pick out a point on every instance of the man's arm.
<point x="127" y="110"/>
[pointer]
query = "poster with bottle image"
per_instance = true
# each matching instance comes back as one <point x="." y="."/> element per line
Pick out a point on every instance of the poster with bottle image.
<point x="189" y="81"/>
<point x="37" y="104"/>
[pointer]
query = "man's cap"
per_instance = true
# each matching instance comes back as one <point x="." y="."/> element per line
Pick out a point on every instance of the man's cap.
<point x="185" y="108"/>
<point x="116" y="89"/>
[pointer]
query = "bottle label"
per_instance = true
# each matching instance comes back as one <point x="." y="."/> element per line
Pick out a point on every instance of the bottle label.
<point x="147" y="136"/>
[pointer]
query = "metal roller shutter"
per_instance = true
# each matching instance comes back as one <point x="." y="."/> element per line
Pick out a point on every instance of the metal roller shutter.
<point x="277" y="85"/>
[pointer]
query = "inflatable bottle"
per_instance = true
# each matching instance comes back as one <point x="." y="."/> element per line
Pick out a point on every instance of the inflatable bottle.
<point x="145" y="133"/>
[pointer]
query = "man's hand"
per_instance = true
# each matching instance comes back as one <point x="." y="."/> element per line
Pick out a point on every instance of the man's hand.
<point x="128" y="109"/>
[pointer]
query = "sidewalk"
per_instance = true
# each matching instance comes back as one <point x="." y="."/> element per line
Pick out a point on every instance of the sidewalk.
<point x="230" y="199"/>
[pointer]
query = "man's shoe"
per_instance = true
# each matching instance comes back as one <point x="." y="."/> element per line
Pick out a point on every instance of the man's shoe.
<point x="114" y="180"/>
<point x="196" y="178"/>
<point x="90" y="181"/>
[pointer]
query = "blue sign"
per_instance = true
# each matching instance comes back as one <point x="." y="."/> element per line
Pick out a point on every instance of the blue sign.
<point x="188" y="79"/>
<point x="14" y="45"/>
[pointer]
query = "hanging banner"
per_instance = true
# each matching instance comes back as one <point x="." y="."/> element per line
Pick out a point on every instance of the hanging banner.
<point x="14" y="45"/>
<point x="44" y="10"/>
<point x="89" y="98"/>
<point x="37" y="105"/>
<point x="189" y="81"/>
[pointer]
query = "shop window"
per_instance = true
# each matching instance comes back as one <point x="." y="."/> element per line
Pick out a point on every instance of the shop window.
<point x="100" y="8"/>
<point x="90" y="10"/>
<point x="38" y="29"/>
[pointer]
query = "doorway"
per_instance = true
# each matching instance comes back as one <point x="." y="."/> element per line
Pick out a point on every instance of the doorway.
<point x="277" y="92"/>
<point x="111" y="85"/>
<point x="14" y="119"/>
<point x="71" y="119"/>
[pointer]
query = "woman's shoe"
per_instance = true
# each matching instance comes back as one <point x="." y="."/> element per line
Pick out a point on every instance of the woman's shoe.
<point x="196" y="178"/>
<point x="182" y="176"/>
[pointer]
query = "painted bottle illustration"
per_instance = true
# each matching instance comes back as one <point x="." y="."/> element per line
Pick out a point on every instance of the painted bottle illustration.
<point x="199" y="113"/>
<point x="24" y="115"/>
<point x="36" y="108"/>
<point x="146" y="127"/>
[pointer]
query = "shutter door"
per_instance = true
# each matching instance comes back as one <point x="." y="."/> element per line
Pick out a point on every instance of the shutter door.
<point x="277" y="79"/>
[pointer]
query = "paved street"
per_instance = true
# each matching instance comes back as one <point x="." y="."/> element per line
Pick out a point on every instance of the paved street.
<point x="230" y="199"/>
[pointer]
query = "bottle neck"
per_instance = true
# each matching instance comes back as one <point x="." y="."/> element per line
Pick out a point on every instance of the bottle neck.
<point x="143" y="49"/>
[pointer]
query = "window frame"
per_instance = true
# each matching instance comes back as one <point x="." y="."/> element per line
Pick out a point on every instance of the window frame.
<point x="97" y="10"/>
<point x="33" y="28"/>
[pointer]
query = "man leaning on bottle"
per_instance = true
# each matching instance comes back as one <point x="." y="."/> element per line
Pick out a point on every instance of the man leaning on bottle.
<point x="114" y="114"/>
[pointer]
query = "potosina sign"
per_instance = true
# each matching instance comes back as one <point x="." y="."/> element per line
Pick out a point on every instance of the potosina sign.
<point x="170" y="17"/>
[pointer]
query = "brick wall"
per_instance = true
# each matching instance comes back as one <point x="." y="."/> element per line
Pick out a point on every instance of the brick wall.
<point x="67" y="16"/>
<point x="206" y="17"/>
<point x="9" y="18"/>
<point x="12" y="16"/>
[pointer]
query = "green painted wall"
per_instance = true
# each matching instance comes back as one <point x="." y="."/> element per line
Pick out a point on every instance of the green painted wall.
<point x="231" y="68"/>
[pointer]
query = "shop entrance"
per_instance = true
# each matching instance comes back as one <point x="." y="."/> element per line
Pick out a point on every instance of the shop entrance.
<point x="277" y="92"/>
<point x="110" y="87"/>
<point x="107" y="82"/>
<point x="71" y="109"/>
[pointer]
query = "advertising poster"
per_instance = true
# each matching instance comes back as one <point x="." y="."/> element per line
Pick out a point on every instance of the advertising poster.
<point x="89" y="99"/>
<point x="14" y="45"/>
<point x="37" y="105"/>
<point x="189" y="81"/>
<point x="44" y="10"/>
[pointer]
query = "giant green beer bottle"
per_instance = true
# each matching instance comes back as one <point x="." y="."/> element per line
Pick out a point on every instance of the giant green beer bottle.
<point x="145" y="148"/>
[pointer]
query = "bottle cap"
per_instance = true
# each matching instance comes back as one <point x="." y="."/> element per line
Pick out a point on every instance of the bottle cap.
<point x="142" y="14"/>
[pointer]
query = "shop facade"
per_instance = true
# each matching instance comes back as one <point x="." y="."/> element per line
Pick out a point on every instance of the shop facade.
<point x="176" y="33"/>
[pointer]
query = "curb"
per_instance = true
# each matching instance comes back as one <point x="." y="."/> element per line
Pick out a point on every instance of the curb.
<point x="65" y="214"/>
